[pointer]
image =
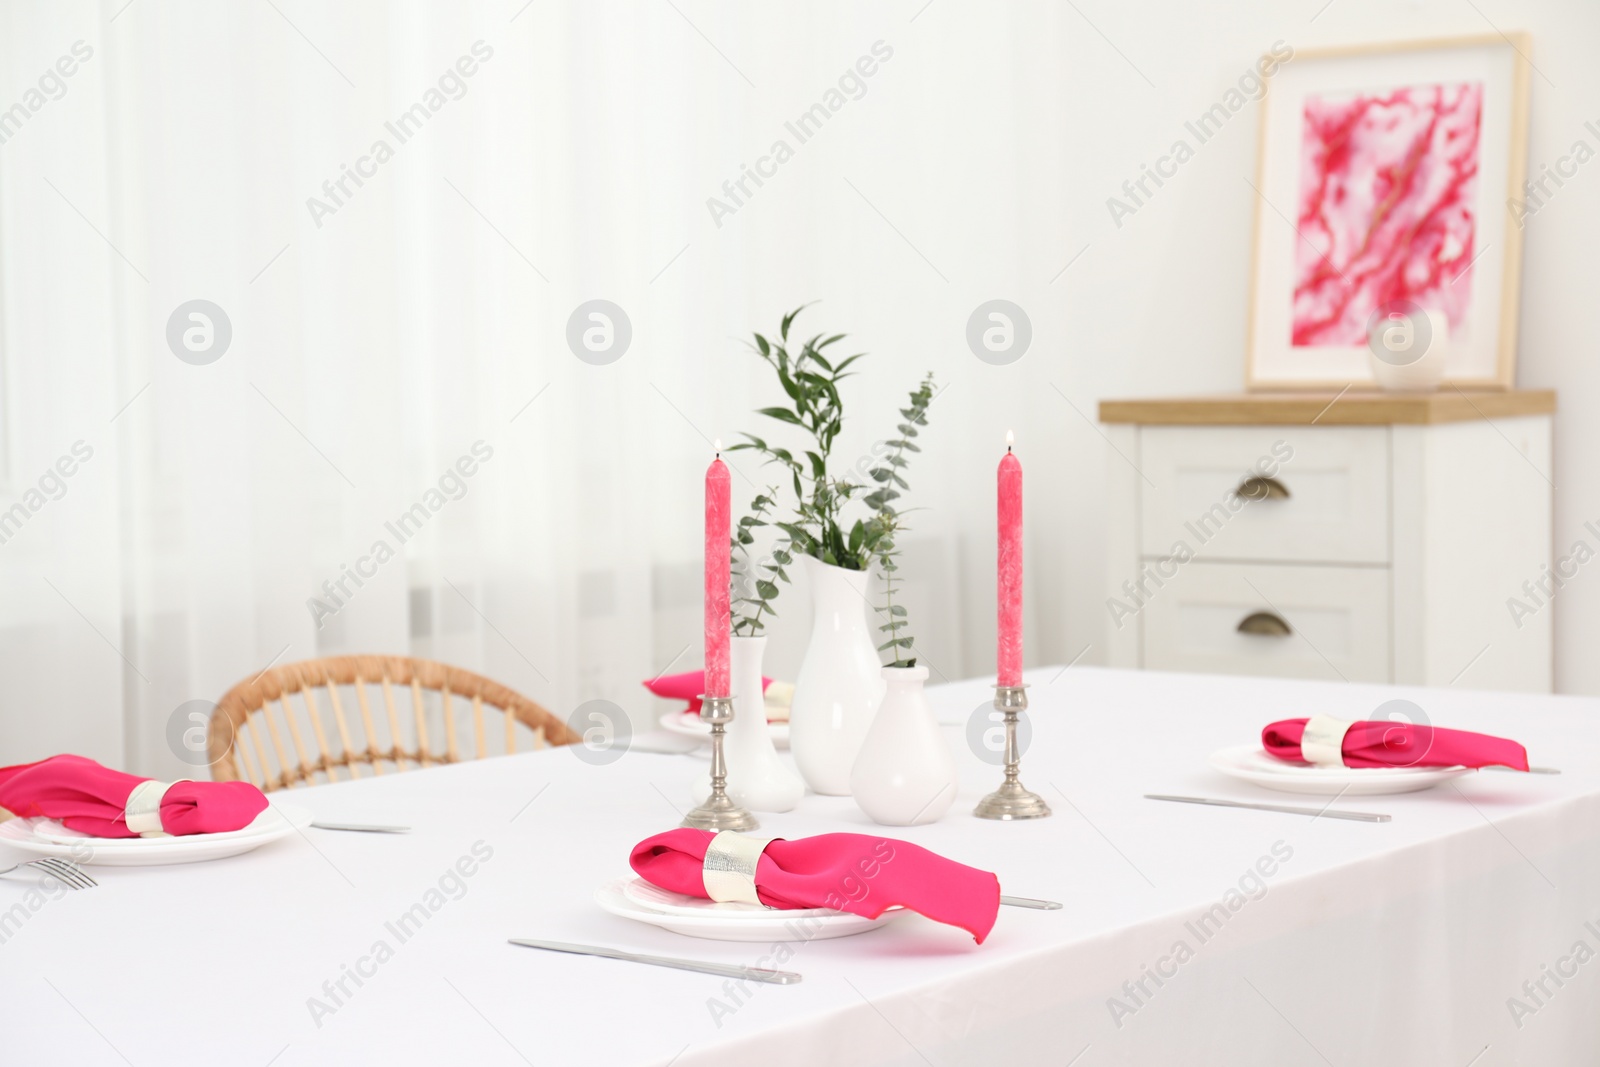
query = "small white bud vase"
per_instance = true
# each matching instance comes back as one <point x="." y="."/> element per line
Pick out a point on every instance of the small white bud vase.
<point x="1407" y="347"/>
<point x="905" y="774"/>
<point x="758" y="778"/>
<point x="838" y="688"/>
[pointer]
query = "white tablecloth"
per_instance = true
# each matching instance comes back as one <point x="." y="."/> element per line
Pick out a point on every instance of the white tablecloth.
<point x="1404" y="943"/>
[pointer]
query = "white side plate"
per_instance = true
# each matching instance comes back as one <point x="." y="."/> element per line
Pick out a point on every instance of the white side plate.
<point x="1251" y="763"/>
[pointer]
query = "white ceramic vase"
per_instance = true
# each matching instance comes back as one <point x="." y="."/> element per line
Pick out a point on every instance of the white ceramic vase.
<point x="839" y="687"/>
<point x="1408" y="348"/>
<point x="905" y="774"/>
<point x="758" y="778"/>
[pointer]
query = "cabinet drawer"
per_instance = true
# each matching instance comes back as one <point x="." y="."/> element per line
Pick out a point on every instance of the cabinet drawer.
<point x="1336" y="481"/>
<point x="1337" y="621"/>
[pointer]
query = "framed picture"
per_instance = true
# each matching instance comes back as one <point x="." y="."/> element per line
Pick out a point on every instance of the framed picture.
<point x="1386" y="177"/>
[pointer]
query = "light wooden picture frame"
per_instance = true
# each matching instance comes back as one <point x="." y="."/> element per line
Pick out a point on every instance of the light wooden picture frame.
<point x="1389" y="172"/>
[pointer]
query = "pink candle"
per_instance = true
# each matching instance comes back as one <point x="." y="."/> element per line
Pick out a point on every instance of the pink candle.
<point x="718" y="620"/>
<point x="1009" y="658"/>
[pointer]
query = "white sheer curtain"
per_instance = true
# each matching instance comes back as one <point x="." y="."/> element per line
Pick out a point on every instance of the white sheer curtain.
<point x="377" y="344"/>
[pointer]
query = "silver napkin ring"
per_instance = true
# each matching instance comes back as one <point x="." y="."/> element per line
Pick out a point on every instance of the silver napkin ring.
<point x="1322" y="743"/>
<point x="730" y="866"/>
<point x="143" y="809"/>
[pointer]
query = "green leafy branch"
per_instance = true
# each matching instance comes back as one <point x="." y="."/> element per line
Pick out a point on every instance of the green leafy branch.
<point x="811" y="382"/>
<point x="747" y="621"/>
<point x="887" y="525"/>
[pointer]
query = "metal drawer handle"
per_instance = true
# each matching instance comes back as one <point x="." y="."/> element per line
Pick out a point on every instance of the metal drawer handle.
<point x="1265" y="623"/>
<point x="1256" y="487"/>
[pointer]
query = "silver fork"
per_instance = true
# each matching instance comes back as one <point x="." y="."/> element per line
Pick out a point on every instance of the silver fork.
<point x="68" y="874"/>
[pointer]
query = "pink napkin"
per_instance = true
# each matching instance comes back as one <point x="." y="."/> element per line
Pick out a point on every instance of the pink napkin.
<point x="86" y="797"/>
<point x="1402" y="744"/>
<point x="846" y="872"/>
<point x="687" y="686"/>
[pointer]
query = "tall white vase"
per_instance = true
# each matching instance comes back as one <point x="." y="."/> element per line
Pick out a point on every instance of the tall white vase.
<point x="758" y="779"/>
<point x="905" y="774"/>
<point x="839" y="687"/>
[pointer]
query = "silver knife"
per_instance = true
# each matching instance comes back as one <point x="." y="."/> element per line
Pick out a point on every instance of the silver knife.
<point x="1353" y="816"/>
<point x="360" y="828"/>
<point x="1030" y="902"/>
<point x="723" y="970"/>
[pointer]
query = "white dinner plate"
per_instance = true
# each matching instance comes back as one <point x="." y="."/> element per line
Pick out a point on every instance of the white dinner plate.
<point x="47" y="837"/>
<point x="648" y="895"/>
<point x="1251" y="763"/>
<point x="52" y="832"/>
<point x="730" y="921"/>
<point x="688" y="724"/>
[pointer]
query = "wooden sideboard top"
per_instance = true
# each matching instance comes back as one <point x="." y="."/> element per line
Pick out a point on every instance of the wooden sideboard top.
<point x="1352" y="408"/>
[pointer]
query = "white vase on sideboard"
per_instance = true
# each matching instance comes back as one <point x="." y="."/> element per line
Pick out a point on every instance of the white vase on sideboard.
<point x="839" y="685"/>
<point x="905" y="774"/>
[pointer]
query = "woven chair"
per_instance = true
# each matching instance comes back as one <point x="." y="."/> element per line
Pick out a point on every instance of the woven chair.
<point x="246" y="716"/>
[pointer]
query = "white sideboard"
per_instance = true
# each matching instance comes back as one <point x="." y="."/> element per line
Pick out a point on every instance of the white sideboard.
<point x="1368" y="537"/>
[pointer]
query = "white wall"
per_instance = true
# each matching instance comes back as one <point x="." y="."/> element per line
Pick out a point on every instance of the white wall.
<point x="975" y="166"/>
<point x="1159" y="307"/>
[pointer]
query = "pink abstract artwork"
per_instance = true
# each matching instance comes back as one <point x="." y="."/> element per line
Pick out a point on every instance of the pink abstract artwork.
<point x="1388" y="183"/>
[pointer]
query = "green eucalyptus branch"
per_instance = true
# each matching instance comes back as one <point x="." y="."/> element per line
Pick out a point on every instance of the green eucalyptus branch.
<point x="811" y="382"/>
<point x="747" y="620"/>
<point x="887" y="525"/>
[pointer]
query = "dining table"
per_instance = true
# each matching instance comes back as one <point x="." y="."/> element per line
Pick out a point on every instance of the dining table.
<point x="1459" y="932"/>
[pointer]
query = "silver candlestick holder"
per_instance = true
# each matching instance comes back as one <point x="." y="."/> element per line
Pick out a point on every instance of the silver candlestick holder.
<point x="1011" y="800"/>
<point x="719" y="812"/>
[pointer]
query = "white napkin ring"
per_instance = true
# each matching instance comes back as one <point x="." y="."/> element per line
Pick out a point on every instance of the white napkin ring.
<point x="1322" y="743"/>
<point x="730" y="866"/>
<point x="143" y="809"/>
